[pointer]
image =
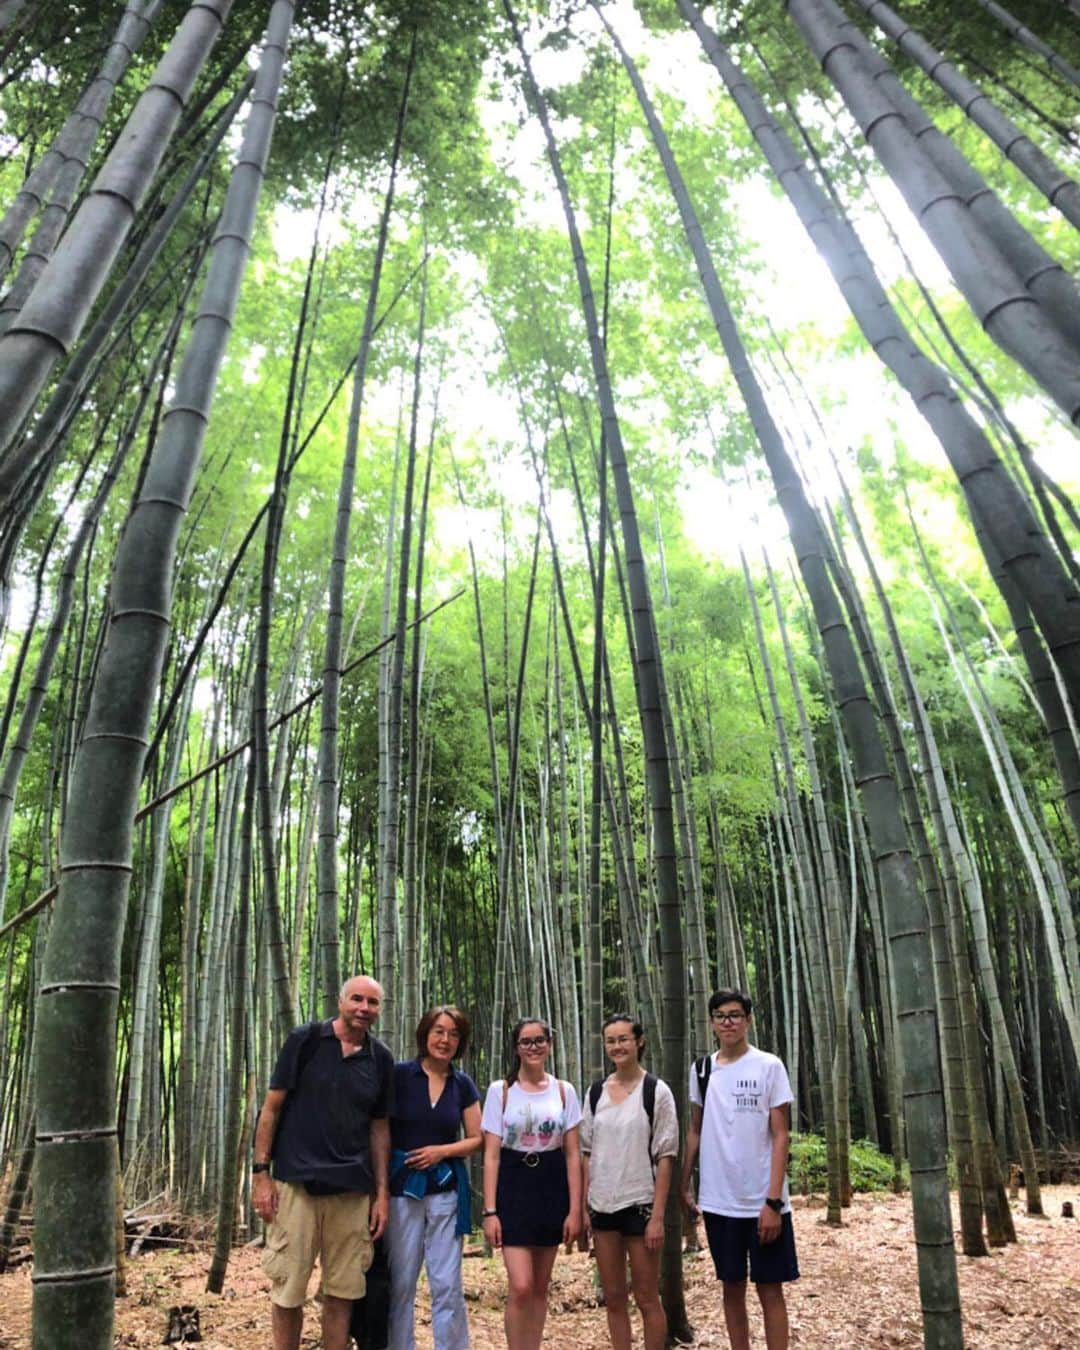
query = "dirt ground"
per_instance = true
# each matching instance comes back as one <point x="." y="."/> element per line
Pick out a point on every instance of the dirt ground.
<point x="858" y="1289"/>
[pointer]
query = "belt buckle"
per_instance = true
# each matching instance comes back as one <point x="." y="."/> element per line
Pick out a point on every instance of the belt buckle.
<point x="532" y="1158"/>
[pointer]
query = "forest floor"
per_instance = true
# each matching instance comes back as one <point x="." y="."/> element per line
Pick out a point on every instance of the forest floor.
<point x="858" y="1289"/>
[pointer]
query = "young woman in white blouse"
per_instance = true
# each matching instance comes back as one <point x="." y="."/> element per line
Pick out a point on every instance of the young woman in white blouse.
<point x="629" y="1139"/>
<point x="532" y="1176"/>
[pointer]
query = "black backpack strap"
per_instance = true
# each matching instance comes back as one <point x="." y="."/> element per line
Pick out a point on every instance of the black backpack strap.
<point x="308" y="1045"/>
<point x="595" y="1089"/>
<point x="702" y="1068"/>
<point x="308" y="1048"/>
<point x="648" y="1101"/>
<point x="648" y="1097"/>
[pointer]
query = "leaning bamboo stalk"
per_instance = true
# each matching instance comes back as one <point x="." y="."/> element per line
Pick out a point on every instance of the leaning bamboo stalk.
<point x="67" y="157"/>
<point x="299" y="707"/>
<point x="1059" y="188"/>
<point x="905" y="915"/>
<point x="53" y="318"/>
<point x="1023" y="35"/>
<point x="62" y="607"/>
<point x="956" y="855"/>
<point x="958" y="1068"/>
<point x="1025" y="828"/>
<point x="25" y="457"/>
<point x="74" y="146"/>
<point x="76" y="1130"/>
<point x="992" y="498"/>
<point x="1022" y="311"/>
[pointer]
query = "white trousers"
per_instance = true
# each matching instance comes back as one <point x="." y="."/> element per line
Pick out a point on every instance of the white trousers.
<point x="421" y="1232"/>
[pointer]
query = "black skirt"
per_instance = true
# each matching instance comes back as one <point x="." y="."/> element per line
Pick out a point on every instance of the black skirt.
<point x="532" y="1198"/>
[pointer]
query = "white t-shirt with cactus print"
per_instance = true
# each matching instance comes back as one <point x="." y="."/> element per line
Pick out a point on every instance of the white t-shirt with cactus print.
<point x="533" y="1122"/>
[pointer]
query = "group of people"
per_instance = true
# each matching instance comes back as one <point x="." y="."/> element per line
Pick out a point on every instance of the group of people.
<point x="351" y="1147"/>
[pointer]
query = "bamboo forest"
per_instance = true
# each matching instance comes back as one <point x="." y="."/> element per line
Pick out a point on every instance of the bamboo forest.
<point x="561" y="506"/>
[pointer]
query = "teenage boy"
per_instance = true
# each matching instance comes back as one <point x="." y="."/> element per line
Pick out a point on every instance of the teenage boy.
<point x="740" y="1109"/>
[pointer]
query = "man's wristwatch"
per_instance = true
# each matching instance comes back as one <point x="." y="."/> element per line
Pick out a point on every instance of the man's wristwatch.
<point x="490" y="1214"/>
<point x="260" y="1167"/>
<point x="777" y="1205"/>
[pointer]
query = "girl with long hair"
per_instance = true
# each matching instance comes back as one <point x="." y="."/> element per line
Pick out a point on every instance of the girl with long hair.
<point x="532" y="1176"/>
<point x="629" y="1139"/>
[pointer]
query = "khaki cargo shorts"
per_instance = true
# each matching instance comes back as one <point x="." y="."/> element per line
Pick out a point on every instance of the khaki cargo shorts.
<point x="333" y="1228"/>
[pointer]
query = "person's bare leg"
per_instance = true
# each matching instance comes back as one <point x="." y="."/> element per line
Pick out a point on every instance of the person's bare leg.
<point x="286" y="1324"/>
<point x="645" y="1277"/>
<point x="336" y="1315"/>
<point x="738" y="1325"/>
<point x="543" y="1260"/>
<point x="611" y="1267"/>
<point x="520" y="1298"/>
<point x="774" y="1310"/>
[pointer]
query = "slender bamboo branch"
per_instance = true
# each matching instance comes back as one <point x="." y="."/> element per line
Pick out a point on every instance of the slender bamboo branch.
<point x="144" y="811"/>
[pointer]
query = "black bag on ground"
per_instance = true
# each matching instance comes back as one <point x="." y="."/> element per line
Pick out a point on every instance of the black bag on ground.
<point x="370" y="1323"/>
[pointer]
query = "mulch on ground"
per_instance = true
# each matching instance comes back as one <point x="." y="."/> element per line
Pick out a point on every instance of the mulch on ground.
<point x="858" y="1289"/>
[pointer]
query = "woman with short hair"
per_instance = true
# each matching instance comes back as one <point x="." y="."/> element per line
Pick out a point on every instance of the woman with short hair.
<point x="532" y="1176"/>
<point x="629" y="1140"/>
<point x="430" y="1201"/>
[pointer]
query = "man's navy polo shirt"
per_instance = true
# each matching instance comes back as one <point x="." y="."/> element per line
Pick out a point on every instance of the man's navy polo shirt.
<point x="415" y="1123"/>
<point x="323" y="1136"/>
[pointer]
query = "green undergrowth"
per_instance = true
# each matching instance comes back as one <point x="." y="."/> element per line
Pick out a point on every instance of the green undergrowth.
<point x="871" y="1170"/>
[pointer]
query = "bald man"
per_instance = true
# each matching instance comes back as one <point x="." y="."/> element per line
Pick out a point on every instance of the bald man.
<point x="324" y="1131"/>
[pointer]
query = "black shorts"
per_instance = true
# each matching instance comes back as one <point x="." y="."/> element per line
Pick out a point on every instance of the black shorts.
<point x="630" y="1222"/>
<point x="732" y="1240"/>
<point x="532" y="1197"/>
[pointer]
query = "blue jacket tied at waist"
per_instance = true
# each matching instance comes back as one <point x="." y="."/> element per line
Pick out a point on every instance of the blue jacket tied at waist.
<point x="418" y="1181"/>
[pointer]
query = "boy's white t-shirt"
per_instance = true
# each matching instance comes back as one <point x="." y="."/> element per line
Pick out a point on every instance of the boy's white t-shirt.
<point x="736" y="1144"/>
<point x="533" y="1122"/>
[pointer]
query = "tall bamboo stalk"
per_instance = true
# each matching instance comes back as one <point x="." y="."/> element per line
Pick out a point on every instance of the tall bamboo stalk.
<point x="1059" y="188"/>
<point x="646" y="660"/>
<point x="995" y="503"/>
<point x="75" y="1166"/>
<point x="905" y="912"/>
<point x="52" y="319"/>
<point x="66" y="159"/>
<point x="326" y="855"/>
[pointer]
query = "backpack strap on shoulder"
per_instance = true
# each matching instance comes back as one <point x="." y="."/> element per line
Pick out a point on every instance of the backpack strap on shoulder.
<point x="648" y="1097"/>
<point x="562" y="1092"/>
<point x="648" y="1101"/>
<point x="595" y="1091"/>
<point x="702" y="1069"/>
<point x="308" y="1047"/>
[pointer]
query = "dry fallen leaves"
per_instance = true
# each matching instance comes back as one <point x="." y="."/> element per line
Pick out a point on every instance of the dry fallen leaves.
<point x="858" y="1288"/>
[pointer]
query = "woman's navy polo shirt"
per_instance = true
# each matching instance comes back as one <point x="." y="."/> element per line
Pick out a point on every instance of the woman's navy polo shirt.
<point x="415" y="1123"/>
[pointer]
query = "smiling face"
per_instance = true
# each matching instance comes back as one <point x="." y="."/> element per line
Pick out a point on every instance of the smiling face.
<point x="621" y="1046"/>
<point x="533" y="1045"/>
<point x="443" y="1039"/>
<point x="359" y="1005"/>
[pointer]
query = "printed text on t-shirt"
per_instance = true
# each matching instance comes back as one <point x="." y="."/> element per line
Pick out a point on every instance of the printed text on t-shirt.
<point x="747" y="1094"/>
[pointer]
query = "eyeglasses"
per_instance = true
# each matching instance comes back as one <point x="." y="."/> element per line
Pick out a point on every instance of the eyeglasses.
<point x="532" y="1042"/>
<point x="612" y="1041"/>
<point x="728" y="1016"/>
<point x="441" y="1035"/>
